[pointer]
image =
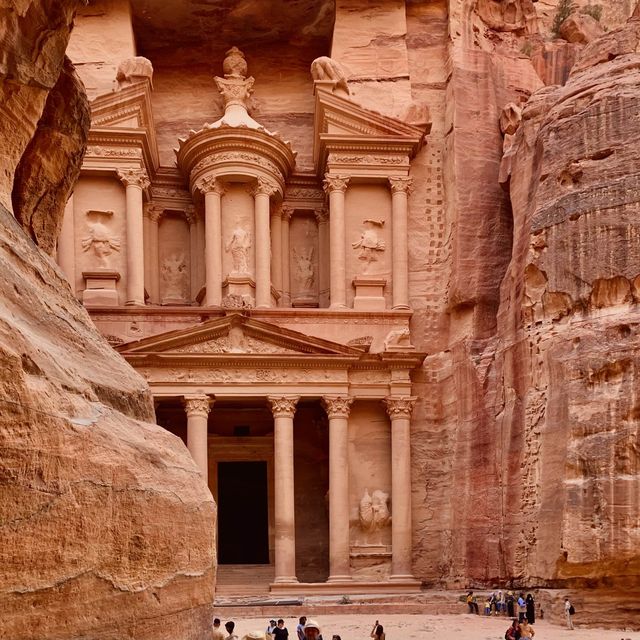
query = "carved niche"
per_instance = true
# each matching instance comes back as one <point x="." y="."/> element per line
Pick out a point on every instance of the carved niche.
<point x="304" y="261"/>
<point x="370" y="244"/>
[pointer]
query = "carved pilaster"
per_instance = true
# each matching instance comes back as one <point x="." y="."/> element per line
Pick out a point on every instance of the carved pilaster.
<point x="337" y="406"/>
<point x="322" y="215"/>
<point x="283" y="406"/>
<point x="400" y="407"/>
<point x="210" y="184"/>
<point x="198" y="405"/>
<point x="263" y="186"/>
<point x="154" y="212"/>
<point x="401" y="185"/>
<point x="335" y="183"/>
<point x="134" y="177"/>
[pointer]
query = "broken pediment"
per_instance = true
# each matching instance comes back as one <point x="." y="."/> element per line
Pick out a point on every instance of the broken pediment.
<point x="236" y="334"/>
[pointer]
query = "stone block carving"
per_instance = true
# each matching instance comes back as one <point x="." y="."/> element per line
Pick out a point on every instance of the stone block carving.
<point x="305" y="271"/>
<point x="325" y="69"/>
<point x="374" y="512"/>
<point x="238" y="245"/>
<point x="398" y="340"/>
<point x="174" y="278"/>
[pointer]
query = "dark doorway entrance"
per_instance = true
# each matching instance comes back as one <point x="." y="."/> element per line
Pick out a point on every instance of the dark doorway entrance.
<point x="243" y="517"/>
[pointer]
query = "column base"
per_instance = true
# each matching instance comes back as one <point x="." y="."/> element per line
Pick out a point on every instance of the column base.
<point x="338" y="306"/>
<point x="340" y="578"/>
<point x="285" y="580"/>
<point x="134" y="303"/>
<point x="404" y="578"/>
<point x="401" y="307"/>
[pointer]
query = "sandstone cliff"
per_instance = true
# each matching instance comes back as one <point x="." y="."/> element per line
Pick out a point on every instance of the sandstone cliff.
<point x="107" y="526"/>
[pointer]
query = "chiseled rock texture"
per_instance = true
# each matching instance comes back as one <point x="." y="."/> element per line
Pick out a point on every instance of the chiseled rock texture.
<point x="106" y="526"/>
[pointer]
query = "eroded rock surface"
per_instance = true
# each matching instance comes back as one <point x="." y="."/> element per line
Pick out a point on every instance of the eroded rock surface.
<point x="107" y="526"/>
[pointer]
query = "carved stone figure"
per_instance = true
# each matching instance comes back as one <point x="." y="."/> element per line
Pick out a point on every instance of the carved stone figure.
<point x="173" y="272"/>
<point x="234" y="65"/>
<point x="239" y="244"/>
<point x="102" y="242"/>
<point x="237" y="341"/>
<point x="398" y="339"/>
<point x="369" y="243"/>
<point x="305" y="273"/>
<point x="374" y="511"/>
<point x="325" y="68"/>
<point x="134" y="70"/>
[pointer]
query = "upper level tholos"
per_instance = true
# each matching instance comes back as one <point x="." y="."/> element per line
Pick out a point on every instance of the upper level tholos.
<point x="239" y="221"/>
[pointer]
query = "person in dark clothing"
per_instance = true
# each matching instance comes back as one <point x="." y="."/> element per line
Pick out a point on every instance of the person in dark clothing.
<point x="531" y="609"/>
<point x="510" y="600"/>
<point x="280" y="632"/>
<point x="513" y="632"/>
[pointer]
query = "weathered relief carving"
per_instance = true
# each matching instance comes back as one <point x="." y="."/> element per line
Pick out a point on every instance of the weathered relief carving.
<point x="369" y="244"/>
<point x="363" y="341"/>
<point x="237" y="301"/>
<point x="174" y="276"/>
<point x="374" y="511"/>
<point x="238" y="245"/>
<point x="327" y="69"/>
<point x="102" y="242"/>
<point x="305" y="271"/>
<point x="234" y="342"/>
<point x="398" y="338"/>
<point x="134" y="70"/>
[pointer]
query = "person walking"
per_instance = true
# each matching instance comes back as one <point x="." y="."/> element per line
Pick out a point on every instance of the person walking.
<point x="568" y="612"/>
<point x="280" y="632"/>
<point x="300" y="628"/>
<point x="531" y="609"/>
<point x="216" y="633"/>
<point x="378" y="632"/>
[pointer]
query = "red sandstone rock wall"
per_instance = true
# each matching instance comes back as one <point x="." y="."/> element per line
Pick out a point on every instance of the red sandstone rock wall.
<point x="107" y="527"/>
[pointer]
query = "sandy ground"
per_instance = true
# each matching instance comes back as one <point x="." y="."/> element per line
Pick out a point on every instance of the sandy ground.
<point x="419" y="627"/>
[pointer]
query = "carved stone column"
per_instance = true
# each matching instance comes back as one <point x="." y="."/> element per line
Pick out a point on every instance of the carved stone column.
<point x="261" y="193"/>
<point x="338" y="408"/>
<point x="283" y="409"/>
<point x="197" y="408"/>
<point x="199" y="254"/>
<point x="213" y="190"/>
<point x="285" y="301"/>
<point x="400" y="188"/>
<point x="135" y="180"/>
<point x="192" y="220"/>
<point x="66" y="245"/>
<point x="154" y="214"/>
<point x="322" y="218"/>
<point x="276" y="249"/>
<point x="336" y="186"/>
<point x="399" y="410"/>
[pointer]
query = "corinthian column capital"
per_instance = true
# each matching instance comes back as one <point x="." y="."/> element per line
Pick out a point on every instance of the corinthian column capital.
<point x="154" y="212"/>
<point x="135" y="177"/>
<point x="210" y="184"/>
<point x="265" y="187"/>
<point x="283" y="406"/>
<point x="322" y="215"/>
<point x="287" y="212"/>
<point x="337" y="406"/>
<point x="197" y="405"/>
<point x="335" y="183"/>
<point x="400" y="407"/>
<point x="401" y="185"/>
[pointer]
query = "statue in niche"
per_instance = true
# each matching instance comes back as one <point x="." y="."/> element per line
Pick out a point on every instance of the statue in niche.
<point x="370" y="244"/>
<point x="173" y="272"/>
<point x="239" y="245"/>
<point x="374" y="511"/>
<point x="305" y="273"/>
<point x="102" y="242"/>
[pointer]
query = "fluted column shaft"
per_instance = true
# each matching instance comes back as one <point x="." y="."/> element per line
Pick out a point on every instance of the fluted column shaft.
<point x="66" y="245"/>
<point x="400" y="188"/>
<point x="322" y="218"/>
<point x="336" y="187"/>
<point x="213" y="190"/>
<point x="192" y="220"/>
<point x="338" y="409"/>
<point x="283" y="408"/>
<point x="197" y="408"/>
<point x="261" y="193"/>
<point x="276" y="250"/>
<point x="135" y="180"/>
<point x="399" y="410"/>
<point x="287" y="212"/>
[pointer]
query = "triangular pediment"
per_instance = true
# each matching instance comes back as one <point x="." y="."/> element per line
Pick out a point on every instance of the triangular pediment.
<point x="239" y="336"/>
<point x="127" y="108"/>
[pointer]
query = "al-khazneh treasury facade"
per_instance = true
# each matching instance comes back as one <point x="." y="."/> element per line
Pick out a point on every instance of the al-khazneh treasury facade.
<point x="263" y="291"/>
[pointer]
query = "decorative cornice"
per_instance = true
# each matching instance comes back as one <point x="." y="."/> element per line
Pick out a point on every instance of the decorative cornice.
<point x="134" y="177"/>
<point x="263" y="187"/>
<point x="337" y="406"/>
<point x="401" y="185"/>
<point x="199" y="405"/>
<point x="283" y="406"/>
<point x="400" y="407"/>
<point x="335" y="183"/>
<point x="210" y="184"/>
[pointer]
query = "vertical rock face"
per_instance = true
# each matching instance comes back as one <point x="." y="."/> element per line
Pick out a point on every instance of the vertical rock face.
<point x="51" y="162"/>
<point x="107" y="526"/>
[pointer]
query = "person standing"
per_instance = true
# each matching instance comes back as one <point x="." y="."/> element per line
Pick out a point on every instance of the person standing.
<point x="271" y="627"/>
<point x="526" y="631"/>
<point x="217" y="634"/>
<point x="300" y="628"/>
<point x="522" y="608"/>
<point x="280" y="632"/>
<point x="568" y="612"/>
<point x="510" y="601"/>
<point x="531" y="609"/>
<point x="378" y="631"/>
<point x="513" y="632"/>
<point x="230" y="626"/>
<point x="312" y="630"/>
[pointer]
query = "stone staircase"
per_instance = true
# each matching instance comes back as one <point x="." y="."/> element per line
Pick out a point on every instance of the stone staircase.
<point x="239" y="581"/>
